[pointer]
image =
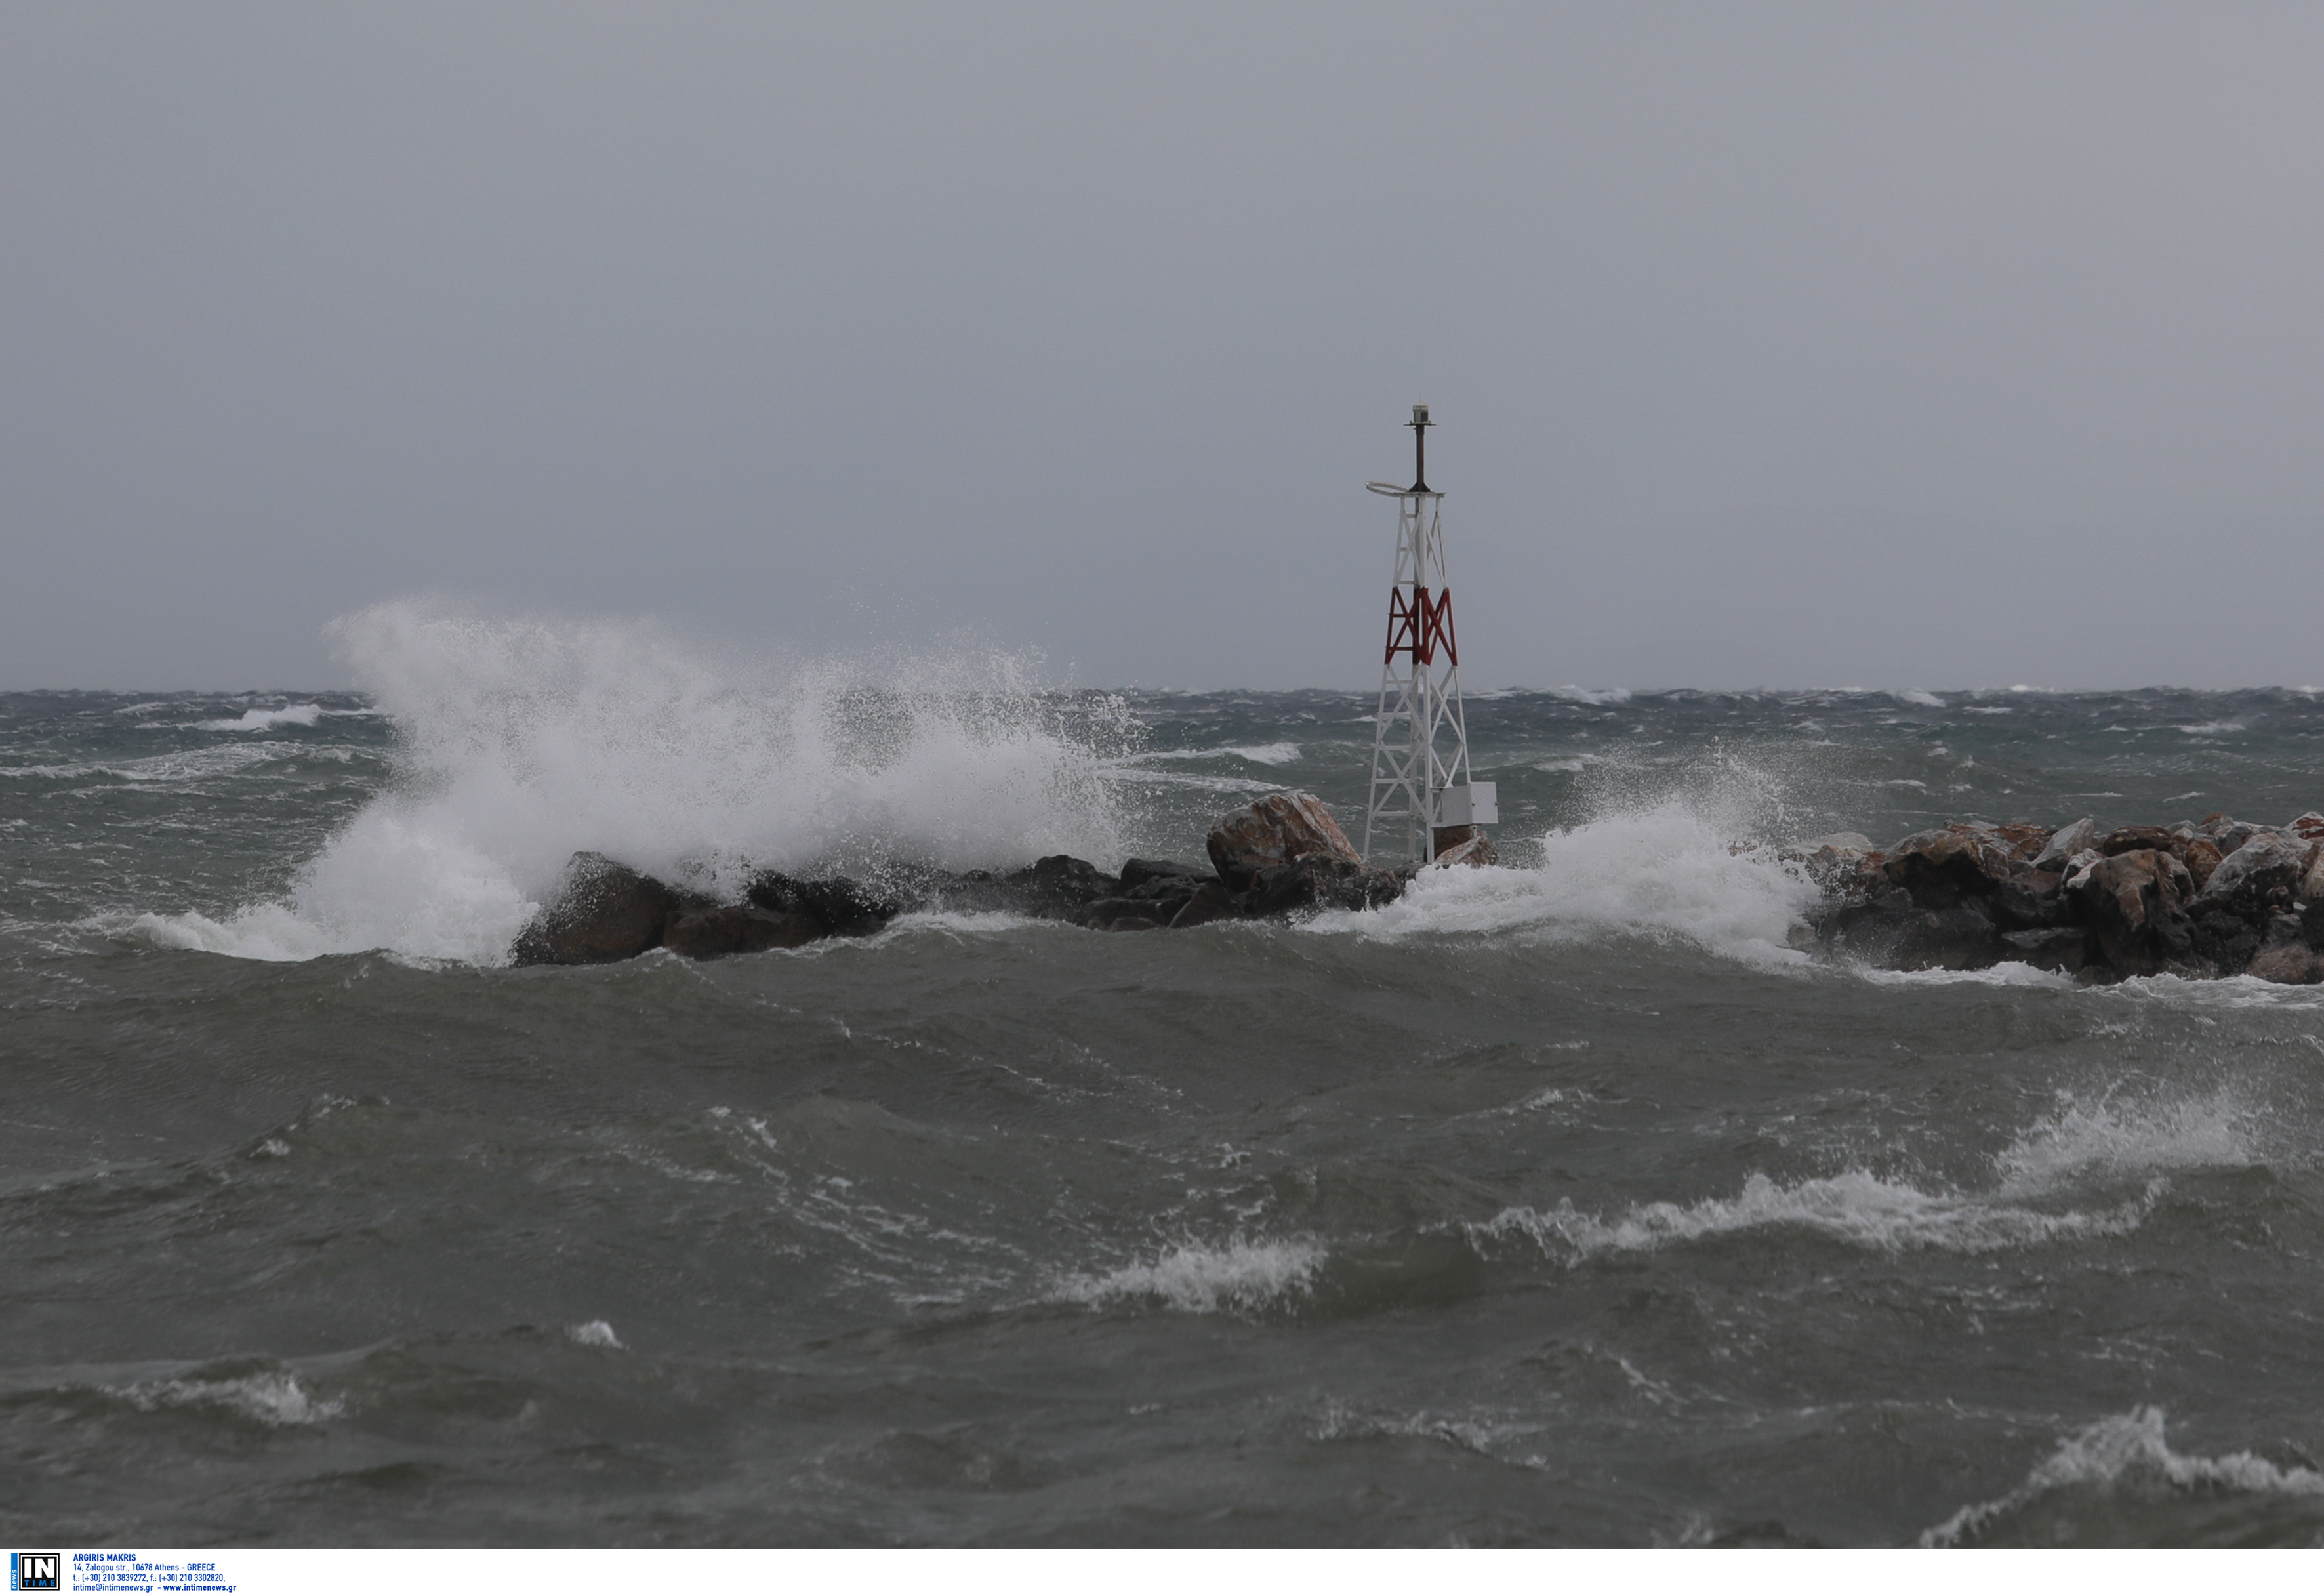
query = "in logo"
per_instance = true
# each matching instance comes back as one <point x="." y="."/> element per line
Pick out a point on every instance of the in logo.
<point x="33" y="1570"/>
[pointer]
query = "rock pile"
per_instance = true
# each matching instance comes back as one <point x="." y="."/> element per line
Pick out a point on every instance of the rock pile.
<point x="1285" y="855"/>
<point x="2214" y="898"/>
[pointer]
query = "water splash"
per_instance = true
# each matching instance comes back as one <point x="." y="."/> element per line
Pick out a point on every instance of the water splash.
<point x="1242" y="1276"/>
<point x="523" y="742"/>
<point x="2127" y="1455"/>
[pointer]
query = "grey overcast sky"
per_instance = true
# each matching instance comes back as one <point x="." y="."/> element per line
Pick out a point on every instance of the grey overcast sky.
<point x="1853" y="345"/>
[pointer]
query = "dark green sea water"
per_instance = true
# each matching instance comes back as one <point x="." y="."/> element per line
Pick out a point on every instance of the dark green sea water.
<point x="1559" y="1204"/>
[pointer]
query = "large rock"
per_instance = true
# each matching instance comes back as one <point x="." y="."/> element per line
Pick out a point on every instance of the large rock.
<point x="727" y="929"/>
<point x="1464" y="844"/>
<point x="2063" y="948"/>
<point x="1057" y="887"/>
<point x="1210" y="901"/>
<point x="603" y="913"/>
<point x="2124" y="839"/>
<point x="838" y="907"/>
<point x="2065" y="843"/>
<point x="1139" y="872"/>
<point x="2289" y="964"/>
<point x="2260" y="876"/>
<point x="1315" y="881"/>
<point x="2201" y="856"/>
<point x="1472" y="847"/>
<point x="1279" y="829"/>
<point x="2135" y="904"/>
<point x="1942" y="869"/>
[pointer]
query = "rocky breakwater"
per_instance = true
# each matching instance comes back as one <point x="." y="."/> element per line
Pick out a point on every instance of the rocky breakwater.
<point x="2207" y="898"/>
<point x="1283" y="856"/>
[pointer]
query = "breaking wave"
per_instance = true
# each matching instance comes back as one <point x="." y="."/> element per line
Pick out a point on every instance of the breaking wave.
<point x="522" y="742"/>
<point x="260" y="720"/>
<point x="273" y="1397"/>
<point x="2080" y="1148"/>
<point x="1241" y="1276"/>
<point x="1668" y="869"/>
<point x="2127" y="1455"/>
<point x="1857" y="1208"/>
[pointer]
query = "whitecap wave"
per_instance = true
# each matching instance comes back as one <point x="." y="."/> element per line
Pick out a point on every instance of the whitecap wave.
<point x="1857" y="1208"/>
<point x="1242" y="1276"/>
<point x="2127" y="1452"/>
<point x="260" y="720"/>
<point x="274" y="1398"/>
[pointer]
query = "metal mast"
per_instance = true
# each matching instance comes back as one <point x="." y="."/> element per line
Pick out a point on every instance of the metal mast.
<point x="1421" y="785"/>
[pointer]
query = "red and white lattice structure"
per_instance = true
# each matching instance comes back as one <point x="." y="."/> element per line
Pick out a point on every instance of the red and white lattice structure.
<point x="1421" y="783"/>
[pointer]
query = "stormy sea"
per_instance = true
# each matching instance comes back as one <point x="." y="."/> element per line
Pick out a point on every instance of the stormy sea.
<point x="1563" y="1202"/>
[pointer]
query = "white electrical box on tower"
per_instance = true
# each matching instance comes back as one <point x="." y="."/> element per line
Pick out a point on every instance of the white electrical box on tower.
<point x="1423" y="796"/>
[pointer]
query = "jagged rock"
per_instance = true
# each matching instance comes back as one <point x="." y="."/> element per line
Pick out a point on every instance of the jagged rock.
<point x="1469" y="841"/>
<point x="1315" y="881"/>
<point x="2201" y="856"/>
<point x="1210" y="902"/>
<point x="1279" y="829"/>
<point x="1888" y="928"/>
<point x="2063" y="948"/>
<point x="1057" y="888"/>
<point x="1948" y="939"/>
<point x="1476" y="849"/>
<point x="1834" y="861"/>
<point x="2291" y="964"/>
<point x="2124" y="839"/>
<point x="2312" y="885"/>
<point x="2136" y="903"/>
<point x="736" y="929"/>
<point x="1941" y="869"/>
<point x="1139" y="872"/>
<point x="604" y="913"/>
<point x="2030" y="901"/>
<point x="2311" y="924"/>
<point x="2225" y="940"/>
<point x="2259" y="876"/>
<point x="2065" y="843"/>
<point x="2310" y="826"/>
<point x="836" y="908"/>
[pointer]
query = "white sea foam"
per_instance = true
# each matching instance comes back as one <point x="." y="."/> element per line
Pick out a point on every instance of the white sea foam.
<point x="260" y="720"/>
<point x="1265" y="753"/>
<point x="2108" y="1142"/>
<point x="272" y="1397"/>
<point x="525" y="742"/>
<point x="2128" y="1452"/>
<point x="1926" y="700"/>
<point x="596" y="1333"/>
<point x="2128" y="1139"/>
<point x="1669" y="869"/>
<point x="2213" y="728"/>
<point x="1857" y="1208"/>
<point x="1242" y="1276"/>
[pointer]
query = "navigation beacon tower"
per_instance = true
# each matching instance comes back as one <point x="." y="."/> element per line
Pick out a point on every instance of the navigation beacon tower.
<point x="1422" y="793"/>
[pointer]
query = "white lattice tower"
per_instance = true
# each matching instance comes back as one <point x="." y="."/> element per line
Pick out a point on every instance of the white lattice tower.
<point x="1420" y="740"/>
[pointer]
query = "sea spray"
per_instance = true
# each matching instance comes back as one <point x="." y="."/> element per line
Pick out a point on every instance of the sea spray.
<point x="1668" y="870"/>
<point x="521" y="742"/>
